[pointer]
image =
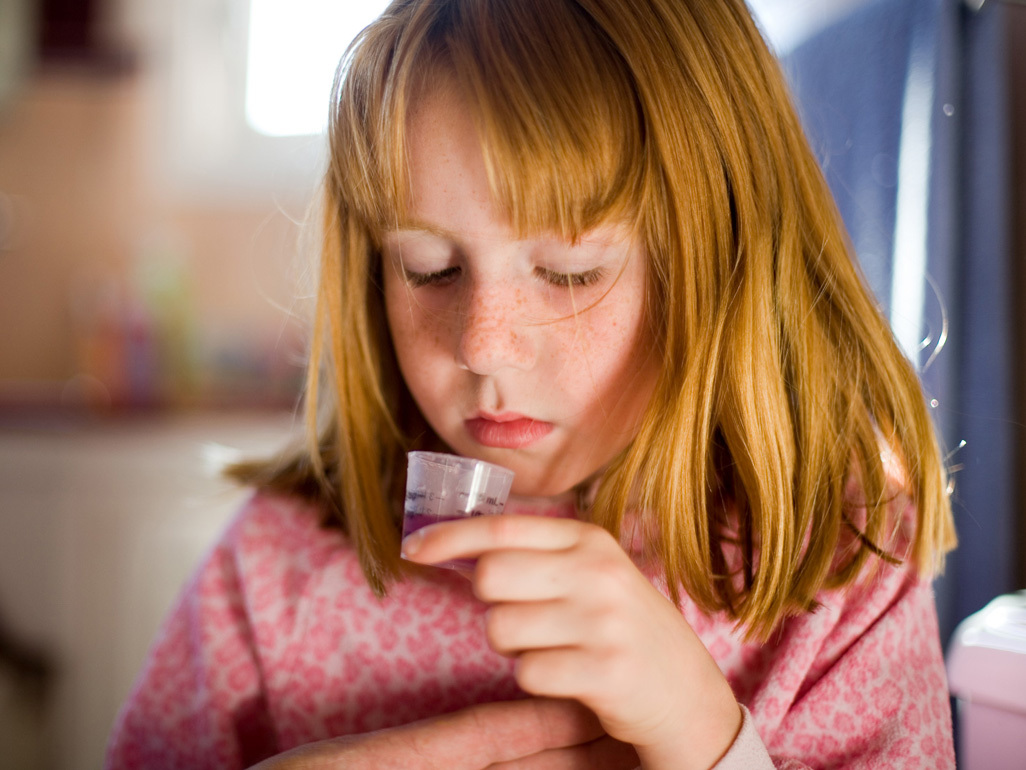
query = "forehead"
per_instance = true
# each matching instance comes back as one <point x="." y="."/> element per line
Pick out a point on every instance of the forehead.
<point x="454" y="140"/>
<point x="448" y="180"/>
<point x="451" y="188"/>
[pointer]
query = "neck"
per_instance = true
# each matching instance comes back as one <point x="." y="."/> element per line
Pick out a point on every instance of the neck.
<point x="559" y="506"/>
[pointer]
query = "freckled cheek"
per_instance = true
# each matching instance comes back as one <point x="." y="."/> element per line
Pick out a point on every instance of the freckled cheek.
<point x="420" y="349"/>
<point x="602" y="349"/>
<point x="415" y="329"/>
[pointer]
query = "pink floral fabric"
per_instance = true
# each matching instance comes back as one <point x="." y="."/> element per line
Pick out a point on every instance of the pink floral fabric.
<point x="278" y="641"/>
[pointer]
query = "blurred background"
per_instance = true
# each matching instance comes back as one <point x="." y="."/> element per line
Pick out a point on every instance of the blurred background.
<point x="157" y="162"/>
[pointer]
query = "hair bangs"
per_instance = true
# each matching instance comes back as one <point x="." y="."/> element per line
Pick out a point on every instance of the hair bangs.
<point x="563" y="154"/>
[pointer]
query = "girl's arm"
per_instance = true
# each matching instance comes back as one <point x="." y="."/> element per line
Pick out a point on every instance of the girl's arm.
<point x="520" y="735"/>
<point x="583" y="622"/>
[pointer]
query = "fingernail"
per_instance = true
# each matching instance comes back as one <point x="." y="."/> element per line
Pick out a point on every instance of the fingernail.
<point x="412" y="544"/>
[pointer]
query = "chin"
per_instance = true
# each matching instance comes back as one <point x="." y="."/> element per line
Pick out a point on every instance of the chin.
<point x="534" y="476"/>
<point x="526" y="484"/>
<point x="529" y="489"/>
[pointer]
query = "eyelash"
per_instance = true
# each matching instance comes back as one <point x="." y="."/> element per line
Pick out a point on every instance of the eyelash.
<point x="437" y="278"/>
<point x="560" y="280"/>
<point x="567" y="280"/>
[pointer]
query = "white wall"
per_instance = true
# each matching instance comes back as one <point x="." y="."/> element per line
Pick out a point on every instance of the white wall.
<point x="99" y="526"/>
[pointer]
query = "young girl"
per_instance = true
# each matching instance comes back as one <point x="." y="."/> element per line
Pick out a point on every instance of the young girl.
<point x="586" y="240"/>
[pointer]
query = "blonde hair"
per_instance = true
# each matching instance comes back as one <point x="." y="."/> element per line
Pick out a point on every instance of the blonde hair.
<point x="779" y="376"/>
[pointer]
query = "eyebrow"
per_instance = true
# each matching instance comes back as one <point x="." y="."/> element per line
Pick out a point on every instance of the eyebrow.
<point x="419" y="226"/>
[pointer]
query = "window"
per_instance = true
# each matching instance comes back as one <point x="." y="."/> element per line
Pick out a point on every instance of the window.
<point x="242" y="95"/>
<point x="787" y="23"/>
<point x="294" y="47"/>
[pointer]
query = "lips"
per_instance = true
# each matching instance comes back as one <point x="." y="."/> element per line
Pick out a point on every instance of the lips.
<point x="507" y="431"/>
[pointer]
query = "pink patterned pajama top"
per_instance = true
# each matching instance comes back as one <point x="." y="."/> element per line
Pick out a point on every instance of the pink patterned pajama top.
<point x="278" y="641"/>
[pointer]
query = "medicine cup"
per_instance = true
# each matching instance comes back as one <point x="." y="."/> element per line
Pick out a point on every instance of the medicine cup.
<point x="444" y="487"/>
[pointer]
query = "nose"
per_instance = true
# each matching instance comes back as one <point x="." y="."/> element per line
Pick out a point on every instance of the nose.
<point x="493" y="333"/>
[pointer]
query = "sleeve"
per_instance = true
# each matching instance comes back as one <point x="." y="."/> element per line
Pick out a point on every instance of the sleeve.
<point x="748" y="752"/>
<point x="859" y="683"/>
<point x="199" y="701"/>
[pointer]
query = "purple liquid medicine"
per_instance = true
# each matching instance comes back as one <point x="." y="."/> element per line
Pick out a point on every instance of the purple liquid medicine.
<point x="442" y="487"/>
<point x="412" y="521"/>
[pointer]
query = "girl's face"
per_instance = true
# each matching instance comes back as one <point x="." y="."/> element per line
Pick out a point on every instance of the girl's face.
<point x="531" y="353"/>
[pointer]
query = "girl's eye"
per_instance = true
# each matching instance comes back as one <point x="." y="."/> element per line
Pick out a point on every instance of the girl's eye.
<point x="561" y="280"/>
<point x="436" y="278"/>
<point x="567" y="280"/>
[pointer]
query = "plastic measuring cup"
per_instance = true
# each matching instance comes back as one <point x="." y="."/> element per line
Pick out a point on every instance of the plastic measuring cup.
<point x="443" y="487"/>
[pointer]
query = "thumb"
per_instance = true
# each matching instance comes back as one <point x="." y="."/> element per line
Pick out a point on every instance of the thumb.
<point x="508" y="730"/>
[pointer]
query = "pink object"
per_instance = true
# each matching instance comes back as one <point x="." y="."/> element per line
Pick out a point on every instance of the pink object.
<point x="278" y="641"/>
<point x="987" y="674"/>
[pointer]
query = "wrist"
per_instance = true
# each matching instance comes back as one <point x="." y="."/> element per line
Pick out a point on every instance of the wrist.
<point x="698" y="745"/>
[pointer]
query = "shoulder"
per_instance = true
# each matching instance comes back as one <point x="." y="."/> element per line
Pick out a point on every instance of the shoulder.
<point x="273" y="512"/>
<point x="885" y="527"/>
<point x="862" y="676"/>
<point x="281" y="526"/>
<point x="269" y="558"/>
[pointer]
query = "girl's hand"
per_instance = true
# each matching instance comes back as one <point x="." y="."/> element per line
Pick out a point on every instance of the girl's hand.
<point x="532" y="734"/>
<point x="584" y="623"/>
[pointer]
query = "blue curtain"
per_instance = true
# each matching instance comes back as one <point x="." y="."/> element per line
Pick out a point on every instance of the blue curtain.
<point x="904" y="102"/>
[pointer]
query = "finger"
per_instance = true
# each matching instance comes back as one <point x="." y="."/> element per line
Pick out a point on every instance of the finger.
<point x="479" y="534"/>
<point x="605" y="753"/>
<point x="504" y="731"/>
<point x="588" y="579"/>
<point x="565" y="672"/>
<point x="520" y="576"/>
<point x="514" y="627"/>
